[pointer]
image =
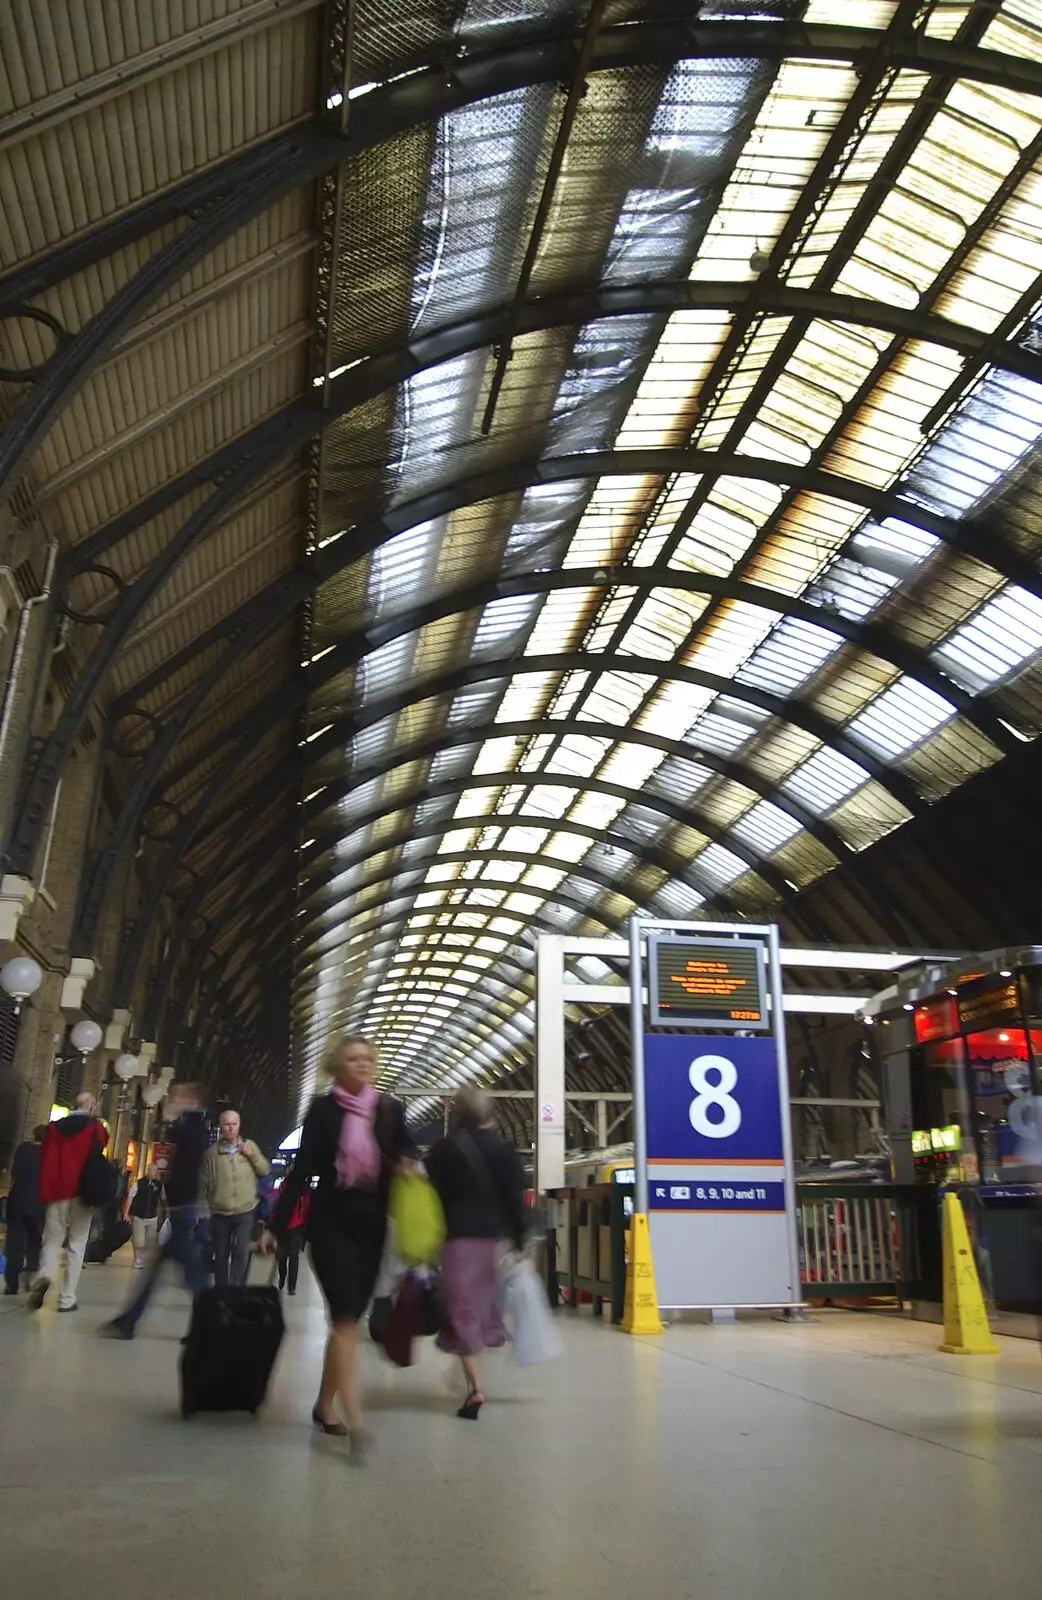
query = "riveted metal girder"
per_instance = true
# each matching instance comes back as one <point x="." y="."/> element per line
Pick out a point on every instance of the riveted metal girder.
<point x="247" y="868"/>
<point x="318" y="901"/>
<point x="873" y="638"/>
<point x="429" y="93"/>
<point x="256" y="454"/>
<point x="235" y="193"/>
<point x="669" y="810"/>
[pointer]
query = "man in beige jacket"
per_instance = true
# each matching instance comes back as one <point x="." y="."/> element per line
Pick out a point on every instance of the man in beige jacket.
<point x="228" y="1185"/>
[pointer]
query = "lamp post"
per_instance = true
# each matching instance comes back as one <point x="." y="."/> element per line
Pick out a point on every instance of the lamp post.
<point x="20" y="977"/>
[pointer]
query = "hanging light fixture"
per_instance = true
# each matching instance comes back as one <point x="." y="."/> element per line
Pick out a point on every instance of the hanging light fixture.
<point x="86" y="1035"/>
<point x="20" y="977"/>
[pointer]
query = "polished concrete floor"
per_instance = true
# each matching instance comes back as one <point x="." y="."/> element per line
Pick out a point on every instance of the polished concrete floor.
<point x="845" y="1458"/>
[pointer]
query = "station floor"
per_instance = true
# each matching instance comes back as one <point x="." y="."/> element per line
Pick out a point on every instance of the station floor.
<point x="843" y="1458"/>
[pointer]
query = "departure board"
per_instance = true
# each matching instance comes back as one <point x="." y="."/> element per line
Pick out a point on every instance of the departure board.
<point x="698" y="983"/>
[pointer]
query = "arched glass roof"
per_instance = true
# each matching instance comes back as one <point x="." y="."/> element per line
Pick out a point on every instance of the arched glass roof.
<point x="694" y="576"/>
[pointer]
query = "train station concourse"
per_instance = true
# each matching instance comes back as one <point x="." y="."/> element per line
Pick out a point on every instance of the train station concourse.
<point x="520" y="695"/>
<point x="760" y="1460"/>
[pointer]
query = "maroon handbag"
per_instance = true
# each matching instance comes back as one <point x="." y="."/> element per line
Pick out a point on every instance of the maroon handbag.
<point x="415" y="1314"/>
<point x="404" y="1323"/>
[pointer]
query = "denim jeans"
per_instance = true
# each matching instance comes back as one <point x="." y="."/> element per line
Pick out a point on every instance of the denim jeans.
<point x="231" y="1248"/>
<point x="184" y="1248"/>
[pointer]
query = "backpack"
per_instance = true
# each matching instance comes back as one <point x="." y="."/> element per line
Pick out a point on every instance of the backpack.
<point x="99" y="1180"/>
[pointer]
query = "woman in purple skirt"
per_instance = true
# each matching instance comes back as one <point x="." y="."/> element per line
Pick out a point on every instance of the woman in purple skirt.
<point x="481" y="1184"/>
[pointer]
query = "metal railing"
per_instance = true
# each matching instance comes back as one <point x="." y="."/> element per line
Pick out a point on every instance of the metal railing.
<point x="858" y="1242"/>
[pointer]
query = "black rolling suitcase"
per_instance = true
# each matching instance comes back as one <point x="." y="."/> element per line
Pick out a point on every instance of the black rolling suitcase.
<point x="113" y="1237"/>
<point x="232" y="1342"/>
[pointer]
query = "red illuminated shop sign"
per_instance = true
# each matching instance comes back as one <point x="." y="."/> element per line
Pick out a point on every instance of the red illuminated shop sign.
<point x="938" y="1019"/>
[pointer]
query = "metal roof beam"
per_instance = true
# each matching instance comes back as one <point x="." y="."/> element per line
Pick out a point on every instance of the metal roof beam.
<point x="475" y="734"/>
<point x="669" y="810"/>
<point x="429" y="93"/>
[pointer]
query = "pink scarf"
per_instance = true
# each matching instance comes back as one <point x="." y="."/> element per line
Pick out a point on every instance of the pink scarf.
<point x="358" y="1157"/>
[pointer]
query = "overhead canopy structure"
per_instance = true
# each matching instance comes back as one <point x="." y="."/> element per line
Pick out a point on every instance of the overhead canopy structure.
<point x="517" y="461"/>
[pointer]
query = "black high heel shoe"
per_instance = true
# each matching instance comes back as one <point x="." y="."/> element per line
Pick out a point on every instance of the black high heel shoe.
<point x="471" y="1406"/>
<point x="336" y="1430"/>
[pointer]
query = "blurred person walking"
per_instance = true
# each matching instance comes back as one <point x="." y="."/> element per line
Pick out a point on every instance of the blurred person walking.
<point x="143" y="1201"/>
<point x="25" y="1214"/>
<point x="190" y="1138"/>
<point x="65" y="1150"/>
<point x="352" y="1140"/>
<point x="481" y="1185"/>
<point x="292" y="1241"/>
<point x="228" y="1186"/>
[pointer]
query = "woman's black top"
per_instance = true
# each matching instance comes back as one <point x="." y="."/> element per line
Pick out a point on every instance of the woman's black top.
<point x="316" y="1158"/>
<point x="481" y="1185"/>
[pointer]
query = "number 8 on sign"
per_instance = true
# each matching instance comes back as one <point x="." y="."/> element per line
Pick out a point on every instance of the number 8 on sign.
<point x="716" y="1094"/>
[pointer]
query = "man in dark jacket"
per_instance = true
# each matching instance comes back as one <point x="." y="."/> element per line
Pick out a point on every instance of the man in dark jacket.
<point x="24" y="1213"/>
<point x="67" y="1147"/>
<point x="190" y="1137"/>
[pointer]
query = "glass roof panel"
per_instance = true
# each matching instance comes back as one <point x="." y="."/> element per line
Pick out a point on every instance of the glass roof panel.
<point x="689" y="172"/>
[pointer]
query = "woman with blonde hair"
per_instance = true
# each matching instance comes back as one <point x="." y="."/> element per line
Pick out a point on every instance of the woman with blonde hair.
<point x="481" y="1184"/>
<point x="352" y="1140"/>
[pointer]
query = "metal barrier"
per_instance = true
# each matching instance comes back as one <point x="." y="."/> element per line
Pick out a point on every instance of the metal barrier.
<point x="586" y="1245"/>
<point x="858" y="1242"/>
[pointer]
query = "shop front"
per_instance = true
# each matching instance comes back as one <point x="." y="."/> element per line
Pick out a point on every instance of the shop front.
<point x="970" y="1113"/>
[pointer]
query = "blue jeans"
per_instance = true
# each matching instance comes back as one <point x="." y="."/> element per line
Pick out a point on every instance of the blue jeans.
<point x="184" y="1247"/>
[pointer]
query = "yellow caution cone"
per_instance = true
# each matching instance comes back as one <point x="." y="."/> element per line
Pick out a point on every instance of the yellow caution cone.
<point x="966" y="1329"/>
<point x="640" y="1310"/>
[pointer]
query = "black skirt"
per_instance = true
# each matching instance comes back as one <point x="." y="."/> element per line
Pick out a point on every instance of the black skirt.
<point x="346" y="1247"/>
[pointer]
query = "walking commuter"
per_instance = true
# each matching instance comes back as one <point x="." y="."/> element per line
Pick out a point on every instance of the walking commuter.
<point x="481" y="1185"/>
<point x="353" y="1138"/>
<point x="190" y="1138"/>
<point x="292" y="1240"/>
<point x="143" y="1201"/>
<point x="65" y="1150"/>
<point x="230" y="1172"/>
<point x="24" y="1213"/>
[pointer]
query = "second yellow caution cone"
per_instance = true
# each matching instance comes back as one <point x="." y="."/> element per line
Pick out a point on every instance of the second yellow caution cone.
<point x="966" y="1328"/>
<point x="640" y="1311"/>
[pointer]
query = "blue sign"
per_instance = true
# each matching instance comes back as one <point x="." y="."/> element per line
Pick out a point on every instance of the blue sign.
<point x="712" y="1099"/>
<point x="716" y="1196"/>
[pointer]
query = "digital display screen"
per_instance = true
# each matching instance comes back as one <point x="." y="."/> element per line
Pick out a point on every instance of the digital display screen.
<point x="707" y="983"/>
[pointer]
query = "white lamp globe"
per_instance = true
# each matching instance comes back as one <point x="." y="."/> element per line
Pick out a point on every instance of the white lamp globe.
<point x="126" y="1067"/>
<point x="86" y="1035"/>
<point x="20" y="977"/>
<point x="152" y="1093"/>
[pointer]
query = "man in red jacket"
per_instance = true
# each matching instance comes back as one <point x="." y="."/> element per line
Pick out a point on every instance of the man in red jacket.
<point x="63" y="1155"/>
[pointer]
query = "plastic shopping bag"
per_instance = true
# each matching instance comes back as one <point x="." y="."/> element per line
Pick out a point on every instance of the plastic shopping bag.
<point x="419" y="1221"/>
<point x="165" y="1234"/>
<point x="535" y="1336"/>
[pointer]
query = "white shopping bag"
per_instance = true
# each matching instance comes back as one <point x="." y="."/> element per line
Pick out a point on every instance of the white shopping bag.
<point x="535" y="1335"/>
<point x="392" y="1268"/>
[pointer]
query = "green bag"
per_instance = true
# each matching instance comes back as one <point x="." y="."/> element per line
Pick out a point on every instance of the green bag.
<point x="419" y="1221"/>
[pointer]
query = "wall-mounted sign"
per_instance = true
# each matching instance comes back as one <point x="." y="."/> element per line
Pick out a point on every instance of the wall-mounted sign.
<point x="937" y="1019"/>
<point x="987" y="1001"/>
<point x="705" y="983"/>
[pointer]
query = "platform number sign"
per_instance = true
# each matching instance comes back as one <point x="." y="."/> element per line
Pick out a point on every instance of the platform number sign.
<point x="713" y="1152"/>
<point x="712" y="1099"/>
<point x="714" y="1112"/>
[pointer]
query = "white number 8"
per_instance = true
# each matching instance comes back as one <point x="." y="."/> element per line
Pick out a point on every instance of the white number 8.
<point x="714" y="1094"/>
